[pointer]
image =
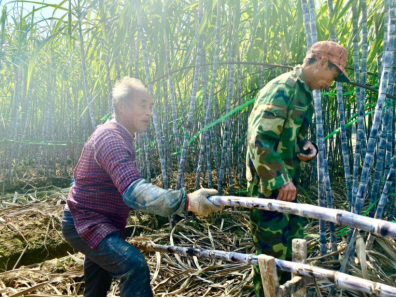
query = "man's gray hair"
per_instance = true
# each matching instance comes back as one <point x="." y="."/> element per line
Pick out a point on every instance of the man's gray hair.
<point x="124" y="91"/>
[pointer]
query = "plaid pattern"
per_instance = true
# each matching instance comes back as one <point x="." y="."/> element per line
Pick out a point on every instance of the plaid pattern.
<point x="105" y="169"/>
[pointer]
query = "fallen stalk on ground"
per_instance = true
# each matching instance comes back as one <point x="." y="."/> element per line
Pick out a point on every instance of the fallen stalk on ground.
<point x="340" y="279"/>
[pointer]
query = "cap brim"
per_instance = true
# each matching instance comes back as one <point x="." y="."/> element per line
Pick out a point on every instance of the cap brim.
<point x="343" y="77"/>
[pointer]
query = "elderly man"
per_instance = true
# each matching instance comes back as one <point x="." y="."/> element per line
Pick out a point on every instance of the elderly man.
<point x="107" y="184"/>
<point x="278" y="142"/>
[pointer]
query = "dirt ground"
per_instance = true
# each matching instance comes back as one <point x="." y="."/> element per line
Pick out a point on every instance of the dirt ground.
<point x="35" y="260"/>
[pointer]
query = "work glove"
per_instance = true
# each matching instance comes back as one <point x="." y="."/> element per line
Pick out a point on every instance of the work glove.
<point x="200" y="205"/>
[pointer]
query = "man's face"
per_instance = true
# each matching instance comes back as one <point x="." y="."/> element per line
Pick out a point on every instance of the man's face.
<point x="323" y="75"/>
<point x="136" y="115"/>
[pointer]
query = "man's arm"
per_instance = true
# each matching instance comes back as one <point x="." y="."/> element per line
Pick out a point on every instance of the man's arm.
<point x="144" y="196"/>
<point x="305" y="144"/>
<point x="265" y="129"/>
<point x="116" y="158"/>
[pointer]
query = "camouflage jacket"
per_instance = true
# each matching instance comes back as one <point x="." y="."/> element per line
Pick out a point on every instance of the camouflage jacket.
<point x="277" y="130"/>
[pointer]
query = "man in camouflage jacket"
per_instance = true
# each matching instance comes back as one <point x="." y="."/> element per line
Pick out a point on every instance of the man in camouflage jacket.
<point x="278" y="142"/>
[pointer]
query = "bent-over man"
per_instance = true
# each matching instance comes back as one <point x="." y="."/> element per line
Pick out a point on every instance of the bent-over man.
<point x="107" y="184"/>
<point x="278" y="142"/>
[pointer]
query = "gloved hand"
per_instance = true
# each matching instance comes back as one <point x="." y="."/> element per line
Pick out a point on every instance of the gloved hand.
<point x="200" y="205"/>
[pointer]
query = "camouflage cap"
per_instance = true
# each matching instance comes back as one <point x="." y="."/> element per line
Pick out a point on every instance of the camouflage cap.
<point x="336" y="54"/>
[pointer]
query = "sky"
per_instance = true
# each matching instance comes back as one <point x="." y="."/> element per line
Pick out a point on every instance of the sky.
<point x="28" y="7"/>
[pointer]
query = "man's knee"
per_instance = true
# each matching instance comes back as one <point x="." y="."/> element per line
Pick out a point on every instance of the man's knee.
<point x="134" y="261"/>
<point x="138" y="265"/>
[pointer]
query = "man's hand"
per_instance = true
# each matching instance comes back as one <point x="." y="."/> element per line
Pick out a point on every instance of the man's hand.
<point x="287" y="192"/>
<point x="312" y="152"/>
<point x="200" y="205"/>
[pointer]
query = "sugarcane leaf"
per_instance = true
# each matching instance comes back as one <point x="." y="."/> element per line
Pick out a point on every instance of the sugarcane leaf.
<point x="361" y="254"/>
<point x="35" y="55"/>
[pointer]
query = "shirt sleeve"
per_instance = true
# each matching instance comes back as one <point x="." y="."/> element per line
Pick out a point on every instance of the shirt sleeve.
<point x="113" y="154"/>
<point x="303" y="134"/>
<point x="266" y="127"/>
<point x="144" y="196"/>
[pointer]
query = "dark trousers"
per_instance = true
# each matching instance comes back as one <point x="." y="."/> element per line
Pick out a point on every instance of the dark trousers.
<point x="112" y="258"/>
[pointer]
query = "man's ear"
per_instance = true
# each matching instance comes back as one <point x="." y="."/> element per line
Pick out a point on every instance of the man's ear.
<point x="323" y="63"/>
<point x="120" y="106"/>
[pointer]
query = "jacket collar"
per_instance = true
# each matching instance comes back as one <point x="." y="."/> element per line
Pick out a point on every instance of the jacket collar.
<point x="298" y="73"/>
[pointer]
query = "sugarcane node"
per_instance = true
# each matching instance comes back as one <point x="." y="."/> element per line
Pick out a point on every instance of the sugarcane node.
<point x="234" y="258"/>
<point x="377" y="288"/>
<point x="338" y="215"/>
<point x="384" y="228"/>
<point x="269" y="206"/>
<point x="192" y="251"/>
<point x="335" y="281"/>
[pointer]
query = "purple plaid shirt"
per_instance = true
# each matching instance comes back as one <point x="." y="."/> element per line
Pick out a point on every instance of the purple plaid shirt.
<point x="105" y="169"/>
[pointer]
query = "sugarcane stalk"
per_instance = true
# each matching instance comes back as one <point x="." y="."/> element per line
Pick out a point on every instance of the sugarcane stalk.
<point x="363" y="70"/>
<point x="208" y="114"/>
<point x="385" y="193"/>
<point x="202" y="155"/>
<point x="183" y="155"/>
<point x="341" y="113"/>
<point x="360" y="105"/>
<point x="85" y="74"/>
<point x="265" y="46"/>
<point x="324" y="189"/>
<point x="2" y="21"/>
<point x="226" y="150"/>
<point x="172" y="89"/>
<point x="165" y="127"/>
<point x="155" y="118"/>
<point x="372" y="143"/>
<point x="321" y="168"/>
<point x="172" y="96"/>
<point x="137" y="57"/>
<point x="108" y="81"/>
<point x="16" y="115"/>
<point x="340" y="217"/>
<point x="239" y="129"/>
<point x="369" y="157"/>
<point x="342" y="280"/>
<point x="25" y="128"/>
<point x="333" y="234"/>
<point x="384" y="197"/>
<point x="379" y="162"/>
<point x="392" y="207"/>
<point x="307" y="25"/>
<point x="388" y="154"/>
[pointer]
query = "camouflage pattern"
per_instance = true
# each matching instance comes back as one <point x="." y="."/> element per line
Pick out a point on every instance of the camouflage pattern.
<point x="273" y="233"/>
<point x="277" y="130"/>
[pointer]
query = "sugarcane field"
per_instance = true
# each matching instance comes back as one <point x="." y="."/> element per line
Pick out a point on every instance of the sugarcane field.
<point x="197" y="148"/>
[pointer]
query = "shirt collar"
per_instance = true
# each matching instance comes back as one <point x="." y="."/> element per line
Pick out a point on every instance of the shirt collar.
<point x="297" y="71"/>
<point x="113" y="120"/>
